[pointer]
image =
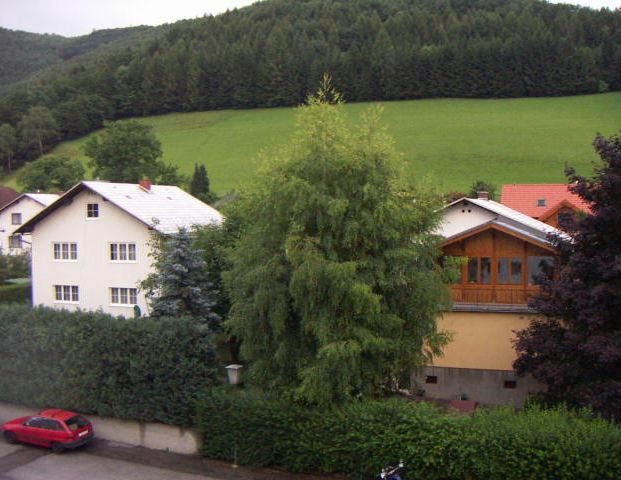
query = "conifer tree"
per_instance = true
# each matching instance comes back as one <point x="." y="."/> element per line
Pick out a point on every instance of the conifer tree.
<point x="334" y="282"/>
<point x="179" y="285"/>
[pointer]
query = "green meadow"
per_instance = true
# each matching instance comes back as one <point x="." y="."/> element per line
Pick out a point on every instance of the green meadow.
<point x="447" y="142"/>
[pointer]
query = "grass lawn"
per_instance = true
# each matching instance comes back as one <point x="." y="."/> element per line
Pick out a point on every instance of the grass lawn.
<point x="448" y="142"/>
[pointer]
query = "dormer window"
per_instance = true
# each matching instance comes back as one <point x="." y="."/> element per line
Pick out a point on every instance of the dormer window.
<point x="16" y="219"/>
<point x="92" y="210"/>
<point x="541" y="202"/>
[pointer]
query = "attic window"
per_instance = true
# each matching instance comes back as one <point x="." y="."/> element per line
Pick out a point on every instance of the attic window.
<point x="92" y="210"/>
<point x="541" y="202"/>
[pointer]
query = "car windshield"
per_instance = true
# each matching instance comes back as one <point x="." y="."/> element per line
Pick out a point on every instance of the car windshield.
<point x="77" y="422"/>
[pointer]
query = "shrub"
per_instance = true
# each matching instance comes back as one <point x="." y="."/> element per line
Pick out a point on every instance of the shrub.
<point x="140" y="369"/>
<point x="19" y="293"/>
<point x="358" y="438"/>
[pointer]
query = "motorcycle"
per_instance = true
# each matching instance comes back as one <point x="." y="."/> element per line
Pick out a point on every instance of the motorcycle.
<point x="392" y="472"/>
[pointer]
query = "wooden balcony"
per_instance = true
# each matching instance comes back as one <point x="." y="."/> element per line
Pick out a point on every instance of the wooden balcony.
<point x="492" y="294"/>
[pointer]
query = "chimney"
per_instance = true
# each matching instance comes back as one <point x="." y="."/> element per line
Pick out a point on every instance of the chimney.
<point x="145" y="184"/>
<point x="483" y="195"/>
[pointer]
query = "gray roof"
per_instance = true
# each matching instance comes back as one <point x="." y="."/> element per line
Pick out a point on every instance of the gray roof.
<point x="164" y="208"/>
<point x="44" y="199"/>
<point x="512" y="220"/>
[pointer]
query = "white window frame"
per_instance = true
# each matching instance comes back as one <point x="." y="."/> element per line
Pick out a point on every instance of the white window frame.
<point x="66" y="294"/>
<point x="16" y="218"/>
<point x="122" y="249"/>
<point x="70" y="248"/>
<point x="16" y="241"/>
<point x="90" y="210"/>
<point x="123" y="296"/>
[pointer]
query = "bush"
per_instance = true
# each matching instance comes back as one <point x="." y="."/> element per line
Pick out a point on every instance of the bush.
<point x="139" y="369"/>
<point x="359" y="438"/>
<point x="19" y="293"/>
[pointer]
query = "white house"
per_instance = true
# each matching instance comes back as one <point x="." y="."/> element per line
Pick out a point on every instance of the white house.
<point x="90" y="248"/>
<point x="16" y="213"/>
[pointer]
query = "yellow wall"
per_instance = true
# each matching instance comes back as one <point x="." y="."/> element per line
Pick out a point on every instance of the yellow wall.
<point x="480" y="339"/>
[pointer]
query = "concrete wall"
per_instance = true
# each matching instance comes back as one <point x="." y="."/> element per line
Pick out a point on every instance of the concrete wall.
<point x="484" y="386"/>
<point x="150" y="435"/>
<point x="92" y="272"/>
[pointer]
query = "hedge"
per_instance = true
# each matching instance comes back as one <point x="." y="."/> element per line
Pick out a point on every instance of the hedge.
<point x="140" y="369"/>
<point x="358" y="439"/>
<point x="19" y="293"/>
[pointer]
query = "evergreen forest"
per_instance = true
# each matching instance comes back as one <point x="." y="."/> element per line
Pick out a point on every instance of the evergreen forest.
<point x="274" y="52"/>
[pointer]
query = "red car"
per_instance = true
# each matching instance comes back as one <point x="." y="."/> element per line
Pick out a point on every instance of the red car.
<point x="54" y="428"/>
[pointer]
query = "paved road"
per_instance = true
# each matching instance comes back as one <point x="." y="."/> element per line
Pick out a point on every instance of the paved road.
<point x="104" y="460"/>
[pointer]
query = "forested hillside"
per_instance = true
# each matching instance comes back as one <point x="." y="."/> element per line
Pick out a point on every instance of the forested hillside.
<point x="23" y="54"/>
<point x="272" y="53"/>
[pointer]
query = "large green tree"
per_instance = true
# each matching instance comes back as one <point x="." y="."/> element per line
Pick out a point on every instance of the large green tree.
<point x="38" y="128"/>
<point x="8" y="144"/>
<point x="50" y="174"/>
<point x="334" y="284"/>
<point x="128" y="151"/>
<point x="575" y="347"/>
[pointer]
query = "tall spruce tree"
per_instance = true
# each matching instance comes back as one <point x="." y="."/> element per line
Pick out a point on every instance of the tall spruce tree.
<point x="180" y="284"/>
<point x="575" y="349"/>
<point x="199" y="185"/>
<point x="334" y="284"/>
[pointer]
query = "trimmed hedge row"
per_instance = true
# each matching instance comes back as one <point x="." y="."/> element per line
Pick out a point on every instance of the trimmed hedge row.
<point x="142" y="369"/>
<point x="358" y="439"/>
<point x="19" y="293"/>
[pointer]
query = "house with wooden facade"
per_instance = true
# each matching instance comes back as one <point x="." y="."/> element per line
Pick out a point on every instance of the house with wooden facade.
<point x="550" y="203"/>
<point x="502" y="252"/>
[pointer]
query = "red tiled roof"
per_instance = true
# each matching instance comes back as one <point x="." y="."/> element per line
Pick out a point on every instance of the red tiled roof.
<point x="537" y="199"/>
<point x="7" y="195"/>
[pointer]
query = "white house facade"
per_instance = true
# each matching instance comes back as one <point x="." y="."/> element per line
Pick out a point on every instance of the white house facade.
<point x="90" y="249"/>
<point x="17" y="212"/>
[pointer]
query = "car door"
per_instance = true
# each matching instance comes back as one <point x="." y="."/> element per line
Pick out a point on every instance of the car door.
<point x="55" y="432"/>
<point x="33" y="431"/>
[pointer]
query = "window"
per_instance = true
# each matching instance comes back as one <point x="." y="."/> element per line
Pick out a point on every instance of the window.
<point x="541" y="202"/>
<point x="565" y="219"/>
<point x="509" y="270"/>
<point x="16" y="219"/>
<point x="473" y="270"/>
<point x="92" y="210"/>
<point x="479" y="270"/>
<point x="65" y="251"/>
<point x="122" y="252"/>
<point x="15" y="241"/>
<point x="35" y="422"/>
<point x="510" y="384"/>
<point x="123" y="296"/>
<point x="486" y="270"/>
<point x="516" y="271"/>
<point x="431" y="379"/>
<point x="537" y="266"/>
<point x="66" y="293"/>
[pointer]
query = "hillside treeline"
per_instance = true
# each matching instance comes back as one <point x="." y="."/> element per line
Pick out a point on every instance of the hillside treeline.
<point x="274" y="52"/>
<point x="23" y="54"/>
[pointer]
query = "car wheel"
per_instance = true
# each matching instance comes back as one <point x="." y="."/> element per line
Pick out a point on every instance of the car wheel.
<point x="10" y="437"/>
<point x="57" y="447"/>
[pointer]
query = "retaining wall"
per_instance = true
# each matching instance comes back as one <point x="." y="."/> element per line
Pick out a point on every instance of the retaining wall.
<point x="156" y="436"/>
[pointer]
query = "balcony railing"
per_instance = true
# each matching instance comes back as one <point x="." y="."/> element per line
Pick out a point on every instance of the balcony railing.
<point x="505" y="294"/>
